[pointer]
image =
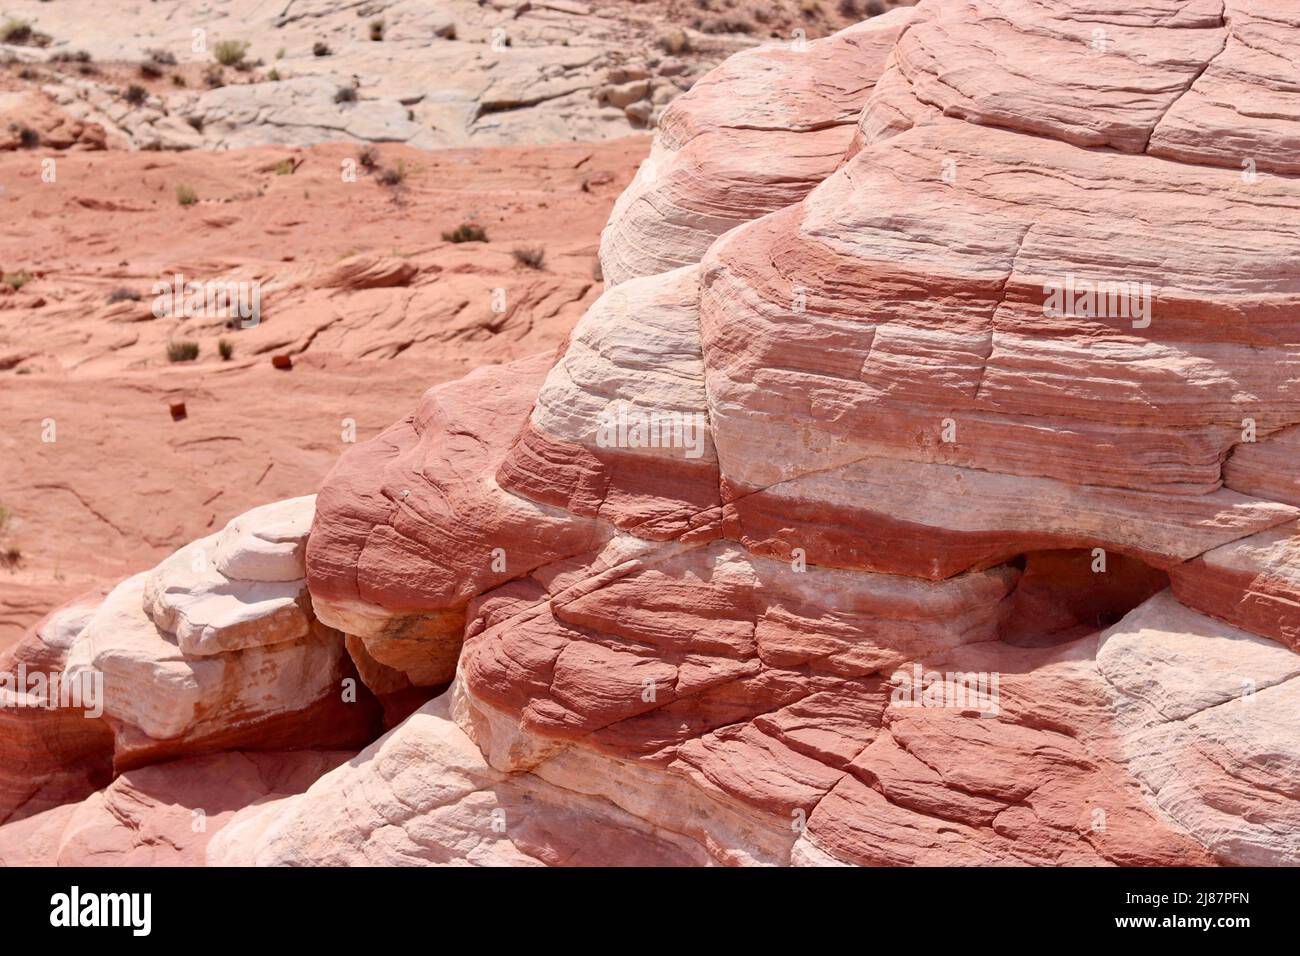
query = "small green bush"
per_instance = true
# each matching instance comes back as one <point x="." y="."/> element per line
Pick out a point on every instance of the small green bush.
<point x="466" y="232"/>
<point x="230" y="52"/>
<point x="182" y="351"/>
<point x="393" y="175"/>
<point x="534" y="257"/>
<point x="185" y="195"/>
<point x="16" y="31"/>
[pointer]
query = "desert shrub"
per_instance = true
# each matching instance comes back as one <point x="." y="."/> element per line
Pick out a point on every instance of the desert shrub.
<point x="16" y="280"/>
<point x="28" y="138"/>
<point x="320" y="48"/>
<point x="345" y="94"/>
<point x="466" y="232"/>
<point x="136" y="94"/>
<point x="534" y="257"/>
<point x="376" y="30"/>
<point x="16" y="32"/>
<point x="727" y="24"/>
<point x="214" y="77"/>
<point x="368" y="158"/>
<point x="123" y="294"/>
<point x="161" y="57"/>
<point x="185" y="195"/>
<point x="150" y="70"/>
<point x="393" y="175"/>
<point x="274" y="75"/>
<point x="230" y="52"/>
<point x="182" y="351"/>
<point x="178" y="80"/>
<point x="226" y="349"/>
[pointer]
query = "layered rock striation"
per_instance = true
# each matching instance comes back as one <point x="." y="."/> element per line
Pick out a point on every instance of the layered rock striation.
<point x="916" y="493"/>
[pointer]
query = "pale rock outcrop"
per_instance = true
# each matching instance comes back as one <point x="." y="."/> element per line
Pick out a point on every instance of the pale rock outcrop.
<point x="1206" y="721"/>
<point x="215" y="649"/>
<point x="297" y="112"/>
<point x="218" y="648"/>
<point x="243" y="587"/>
<point x="453" y="74"/>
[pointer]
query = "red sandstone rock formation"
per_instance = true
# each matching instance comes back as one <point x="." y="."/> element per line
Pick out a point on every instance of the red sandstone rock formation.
<point x="847" y="543"/>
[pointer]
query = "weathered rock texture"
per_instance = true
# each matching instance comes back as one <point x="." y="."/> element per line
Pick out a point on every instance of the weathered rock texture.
<point x="162" y="815"/>
<point x="754" y="135"/>
<point x="870" y="537"/>
<point x="215" y="649"/>
<point x="447" y="74"/>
